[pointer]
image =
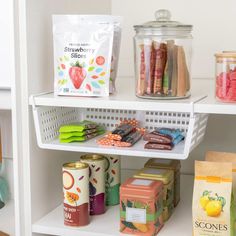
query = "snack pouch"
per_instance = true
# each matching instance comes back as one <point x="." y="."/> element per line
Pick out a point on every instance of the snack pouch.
<point x="82" y="55"/>
<point x="78" y="127"/>
<point x="116" y="21"/>
<point x="213" y="205"/>
<point x="224" y="157"/>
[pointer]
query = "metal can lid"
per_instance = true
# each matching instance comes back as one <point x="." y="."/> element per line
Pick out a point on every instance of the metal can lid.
<point x="75" y="165"/>
<point x="92" y="157"/>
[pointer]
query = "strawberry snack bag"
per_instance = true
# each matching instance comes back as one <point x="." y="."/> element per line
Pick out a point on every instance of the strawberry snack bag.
<point x="82" y="55"/>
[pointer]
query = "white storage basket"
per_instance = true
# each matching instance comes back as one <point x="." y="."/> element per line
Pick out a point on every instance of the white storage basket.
<point x="48" y="120"/>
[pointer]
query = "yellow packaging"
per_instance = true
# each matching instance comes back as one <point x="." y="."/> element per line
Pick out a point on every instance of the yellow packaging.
<point x="213" y="205"/>
<point x="167" y="177"/>
<point x="169" y="165"/>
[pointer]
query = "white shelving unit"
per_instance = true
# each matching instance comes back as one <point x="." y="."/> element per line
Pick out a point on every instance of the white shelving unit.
<point x="179" y="223"/>
<point x="5" y="99"/>
<point x="40" y="155"/>
<point x="7" y="218"/>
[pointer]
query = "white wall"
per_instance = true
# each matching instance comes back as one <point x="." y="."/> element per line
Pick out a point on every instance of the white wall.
<point x="214" y="28"/>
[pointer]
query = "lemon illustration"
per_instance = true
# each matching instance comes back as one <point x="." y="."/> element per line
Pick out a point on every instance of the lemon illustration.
<point x="204" y="200"/>
<point x="214" y="208"/>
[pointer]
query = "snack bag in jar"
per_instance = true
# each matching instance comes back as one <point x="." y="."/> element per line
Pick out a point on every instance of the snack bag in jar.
<point x="82" y="55"/>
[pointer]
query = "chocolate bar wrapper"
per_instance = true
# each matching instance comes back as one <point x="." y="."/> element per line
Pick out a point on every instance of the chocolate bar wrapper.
<point x="132" y="137"/>
<point x="178" y="139"/>
<point x="174" y="79"/>
<point x="156" y="137"/>
<point x="148" y="66"/>
<point x="123" y="130"/>
<point x="80" y="139"/>
<point x="141" y="86"/>
<point x="78" y="127"/>
<point x="158" y="146"/>
<point x="170" y="57"/>
<point x="160" y="63"/>
<point x="174" y="133"/>
<point x="182" y="73"/>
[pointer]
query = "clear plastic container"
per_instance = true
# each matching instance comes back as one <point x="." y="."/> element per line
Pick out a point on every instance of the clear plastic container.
<point x="225" y="89"/>
<point x="163" y="50"/>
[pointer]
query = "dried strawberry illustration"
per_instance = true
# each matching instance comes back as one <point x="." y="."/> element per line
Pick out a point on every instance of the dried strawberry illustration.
<point x="77" y="75"/>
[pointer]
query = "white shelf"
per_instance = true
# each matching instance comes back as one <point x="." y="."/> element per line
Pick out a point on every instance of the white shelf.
<point x="180" y="222"/>
<point x="210" y="105"/>
<point x="123" y="99"/>
<point x="7" y="219"/>
<point x="202" y="100"/>
<point x="137" y="150"/>
<point x="5" y="99"/>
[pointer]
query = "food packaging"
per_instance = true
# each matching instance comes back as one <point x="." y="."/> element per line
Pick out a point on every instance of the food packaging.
<point x="225" y="86"/>
<point x="169" y="165"/>
<point x="141" y="206"/>
<point x="163" y="51"/>
<point x="167" y="178"/>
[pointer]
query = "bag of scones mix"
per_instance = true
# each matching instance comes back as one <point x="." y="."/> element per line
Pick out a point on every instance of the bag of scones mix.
<point x="213" y="204"/>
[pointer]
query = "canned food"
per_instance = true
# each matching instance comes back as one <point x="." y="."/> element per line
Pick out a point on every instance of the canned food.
<point x="112" y="180"/>
<point x="97" y="164"/>
<point x="76" y="193"/>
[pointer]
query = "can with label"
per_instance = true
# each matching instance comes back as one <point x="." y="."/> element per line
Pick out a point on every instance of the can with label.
<point x="75" y="177"/>
<point x="97" y="165"/>
<point x="112" y="180"/>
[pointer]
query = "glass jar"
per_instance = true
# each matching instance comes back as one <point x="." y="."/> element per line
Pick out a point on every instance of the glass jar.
<point x="225" y="89"/>
<point x="163" y="51"/>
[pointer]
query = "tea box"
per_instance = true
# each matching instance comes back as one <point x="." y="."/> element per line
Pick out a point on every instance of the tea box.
<point x="167" y="177"/>
<point x="169" y="165"/>
<point x="141" y="207"/>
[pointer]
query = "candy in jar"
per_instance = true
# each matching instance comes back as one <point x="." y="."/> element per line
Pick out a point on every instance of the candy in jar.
<point x="225" y="89"/>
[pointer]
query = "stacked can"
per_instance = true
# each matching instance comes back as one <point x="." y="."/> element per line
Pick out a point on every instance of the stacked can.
<point x="97" y="164"/>
<point x="76" y="193"/>
<point x="112" y="180"/>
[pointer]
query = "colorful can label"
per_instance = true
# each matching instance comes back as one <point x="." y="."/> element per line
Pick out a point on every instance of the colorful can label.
<point x="76" y="193"/>
<point x="112" y="180"/>
<point x="97" y="164"/>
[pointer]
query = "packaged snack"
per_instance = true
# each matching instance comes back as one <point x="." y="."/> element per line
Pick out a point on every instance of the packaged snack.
<point x="132" y="137"/>
<point x="167" y="178"/>
<point x="75" y="177"/>
<point x="224" y="157"/>
<point x="156" y="137"/>
<point x="158" y="146"/>
<point x="173" y="165"/>
<point x="141" y="207"/>
<point x="83" y="48"/>
<point x="80" y="138"/>
<point x="116" y="21"/>
<point x="112" y="180"/>
<point x="213" y="206"/>
<point x="78" y="127"/>
<point x="123" y="130"/>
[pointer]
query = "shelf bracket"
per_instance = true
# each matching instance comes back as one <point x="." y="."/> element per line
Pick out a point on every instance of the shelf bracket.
<point x="198" y="99"/>
<point x="32" y="98"/>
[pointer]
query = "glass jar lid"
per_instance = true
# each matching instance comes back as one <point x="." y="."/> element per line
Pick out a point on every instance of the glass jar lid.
<point x="163" y="22"/>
